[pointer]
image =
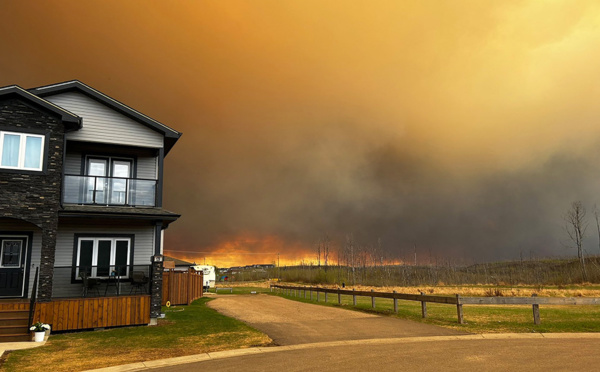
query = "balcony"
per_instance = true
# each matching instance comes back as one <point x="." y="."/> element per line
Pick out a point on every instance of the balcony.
<point x="94" y="190"/>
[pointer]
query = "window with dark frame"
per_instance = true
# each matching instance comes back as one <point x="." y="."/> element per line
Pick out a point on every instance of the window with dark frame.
<point x="102" y="257"/>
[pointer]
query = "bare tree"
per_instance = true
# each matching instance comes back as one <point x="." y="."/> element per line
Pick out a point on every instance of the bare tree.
<point x="576" y="225"/>
<point x="350" y="249"/>
<point x="597" y="217"/>
<point x="325" y="245"/>
<point x="318" y="254"/>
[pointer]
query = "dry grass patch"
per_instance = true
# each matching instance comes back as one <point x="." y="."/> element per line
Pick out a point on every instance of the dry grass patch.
<point x="197" y="329"/>
<point x="584" y="290"/>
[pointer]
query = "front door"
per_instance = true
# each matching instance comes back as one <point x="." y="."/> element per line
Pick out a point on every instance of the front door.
<point x="13" y="251"/>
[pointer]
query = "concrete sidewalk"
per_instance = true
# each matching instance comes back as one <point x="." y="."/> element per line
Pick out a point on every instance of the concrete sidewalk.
<point x="162" y="363"/>
<point x="9" y="346"/>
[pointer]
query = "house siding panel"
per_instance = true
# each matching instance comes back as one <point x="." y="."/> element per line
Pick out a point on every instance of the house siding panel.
<point x="73" y="163"/>
<point x="146" y="168"/>
<point x="104" y="125"/>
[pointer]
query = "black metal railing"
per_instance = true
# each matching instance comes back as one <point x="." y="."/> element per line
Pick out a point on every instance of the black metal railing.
<point x="109" y="191"/>
<point x="33" y="296"/>
<point x="99" y="281"/>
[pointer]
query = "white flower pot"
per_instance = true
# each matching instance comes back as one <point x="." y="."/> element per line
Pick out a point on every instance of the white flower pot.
<point x="39" y="336"/>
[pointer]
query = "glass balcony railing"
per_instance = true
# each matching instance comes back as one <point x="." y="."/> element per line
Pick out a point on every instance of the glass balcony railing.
<point x="109" y="191"/>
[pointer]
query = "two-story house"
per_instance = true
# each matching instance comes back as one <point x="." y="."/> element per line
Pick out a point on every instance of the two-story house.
<point x="81" y="185"/>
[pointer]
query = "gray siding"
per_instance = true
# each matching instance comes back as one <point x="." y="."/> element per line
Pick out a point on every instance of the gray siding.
<point x="147" y="168"/>
<point x="36" y="246"/>
<point x="104" y="125"/>
<point x="73" y="163"/>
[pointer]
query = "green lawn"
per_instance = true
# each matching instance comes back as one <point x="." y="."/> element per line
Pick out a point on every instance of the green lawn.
<point x="186" y="330"/>
<point x="478" y="318"/>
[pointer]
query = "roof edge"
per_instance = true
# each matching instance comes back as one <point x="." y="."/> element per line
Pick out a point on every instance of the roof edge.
<point x="116" y="105"/>
<point x="66" y="116"/>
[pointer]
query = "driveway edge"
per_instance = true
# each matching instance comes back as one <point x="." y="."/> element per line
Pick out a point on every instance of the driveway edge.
<point x="141" y="366"/>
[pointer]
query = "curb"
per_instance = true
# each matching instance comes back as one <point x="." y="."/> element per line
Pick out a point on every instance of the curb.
<point x="141" y="366"/>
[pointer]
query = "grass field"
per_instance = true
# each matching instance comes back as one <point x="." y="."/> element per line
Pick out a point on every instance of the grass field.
<point x="185" y="330"/>
<point x="478" y="318"/>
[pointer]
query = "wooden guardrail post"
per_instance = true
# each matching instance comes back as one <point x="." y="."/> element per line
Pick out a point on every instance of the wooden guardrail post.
<point x="423" y="307"/>
<point x="353" y="297"/>
<point x="304" y="292"/>
<point x="310" y="290"/>
<point x="459" y="310"/>
<point x="372" y="301"/>
<point x="536" y="312"/>
<point x="325" y="297"/>
<point x="317" y="294"/>
<point x="339" y="297"/>
<point x="395" y="304"/>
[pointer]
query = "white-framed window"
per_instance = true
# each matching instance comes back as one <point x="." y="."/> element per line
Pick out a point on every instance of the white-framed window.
<point x="101" y="257"/>
<point x="21" y="151"/>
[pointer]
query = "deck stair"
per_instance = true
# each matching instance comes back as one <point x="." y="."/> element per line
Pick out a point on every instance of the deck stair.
<point x="14" y="322"/>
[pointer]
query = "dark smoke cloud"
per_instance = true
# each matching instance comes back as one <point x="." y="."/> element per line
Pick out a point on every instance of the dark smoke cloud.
<point x="464" y="129"/>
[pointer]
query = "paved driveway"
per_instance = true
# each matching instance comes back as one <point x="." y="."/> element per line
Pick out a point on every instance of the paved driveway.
<point x="465" y="353"/>
<point x="291" y="322"/>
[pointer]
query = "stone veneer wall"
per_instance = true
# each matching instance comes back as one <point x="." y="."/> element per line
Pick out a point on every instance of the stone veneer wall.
<point x="35" y="196"/>
<point x="156" y="284"/>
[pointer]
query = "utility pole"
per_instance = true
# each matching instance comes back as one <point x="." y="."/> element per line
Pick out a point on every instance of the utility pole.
<point x="278" y="268"/>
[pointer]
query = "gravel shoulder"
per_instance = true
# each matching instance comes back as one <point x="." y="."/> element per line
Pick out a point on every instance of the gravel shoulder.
<point x="291" y="323"/>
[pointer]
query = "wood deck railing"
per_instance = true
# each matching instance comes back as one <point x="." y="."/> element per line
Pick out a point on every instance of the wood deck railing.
<point x="86" y="313"/>
<point x="451" y="300"/>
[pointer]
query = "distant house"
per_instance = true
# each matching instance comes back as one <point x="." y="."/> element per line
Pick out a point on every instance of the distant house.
<point x="179" y="265"/>
<point x="81" y="189"/>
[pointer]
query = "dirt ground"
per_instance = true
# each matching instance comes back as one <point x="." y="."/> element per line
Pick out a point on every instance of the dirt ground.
<point x="291" y="322"/>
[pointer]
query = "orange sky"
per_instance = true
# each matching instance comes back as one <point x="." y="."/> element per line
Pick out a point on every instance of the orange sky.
<point x="465" y="127"/>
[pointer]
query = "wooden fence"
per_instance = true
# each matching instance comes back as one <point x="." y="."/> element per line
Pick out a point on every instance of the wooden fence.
<point x="182" y="287"/>
<point x="97" y="312"/>
<point x="456" y="300"/>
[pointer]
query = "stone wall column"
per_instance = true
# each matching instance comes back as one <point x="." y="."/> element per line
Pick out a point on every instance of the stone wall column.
<point x="47" y="265"/>
<point x="156" y="287"/>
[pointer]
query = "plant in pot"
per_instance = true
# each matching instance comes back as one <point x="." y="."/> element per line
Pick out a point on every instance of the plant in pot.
<point x="40" y="330"/>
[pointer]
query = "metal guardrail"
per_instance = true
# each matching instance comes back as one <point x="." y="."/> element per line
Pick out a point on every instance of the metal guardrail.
<point x="450" y="300"/>
<point x="78" y="189"/>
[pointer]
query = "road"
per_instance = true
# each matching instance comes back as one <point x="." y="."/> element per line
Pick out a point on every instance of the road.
<point x="538" y="354"/>
<point x="332" y="339"/>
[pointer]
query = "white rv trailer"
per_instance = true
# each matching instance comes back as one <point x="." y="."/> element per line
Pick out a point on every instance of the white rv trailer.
<point x="209" y="275"/>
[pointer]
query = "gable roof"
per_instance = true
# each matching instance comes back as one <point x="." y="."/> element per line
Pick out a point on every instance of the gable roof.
<point x="177" y="261"/>
<point x="171" y="135"/>
<point x="70" y="120"/>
